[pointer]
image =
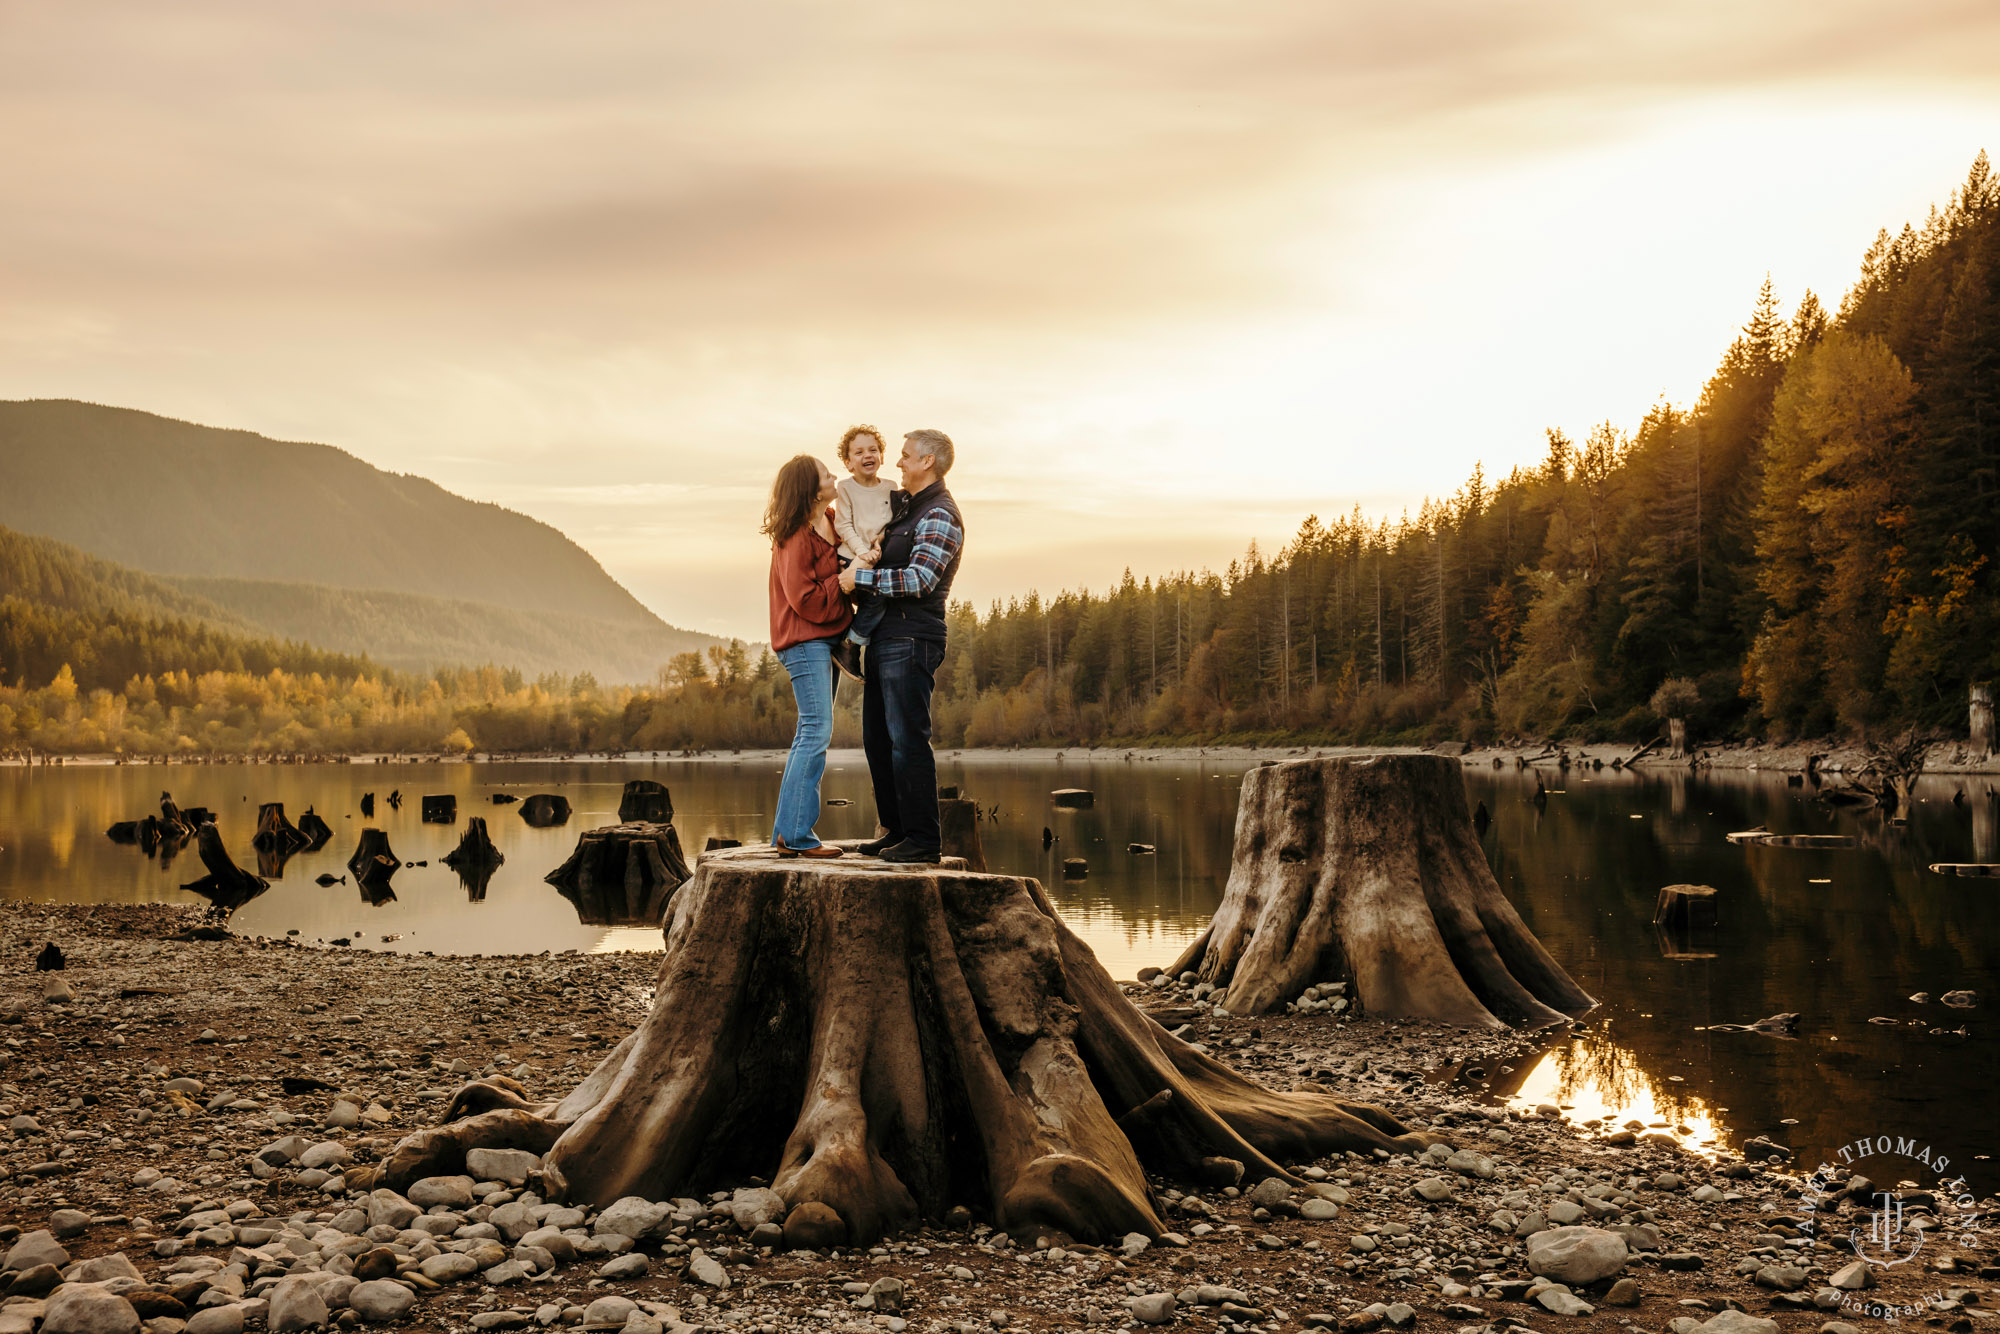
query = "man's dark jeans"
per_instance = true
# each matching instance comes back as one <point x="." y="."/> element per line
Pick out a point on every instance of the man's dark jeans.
<point x="896" y="734"/>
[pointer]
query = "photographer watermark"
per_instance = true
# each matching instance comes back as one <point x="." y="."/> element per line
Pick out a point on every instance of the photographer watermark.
<point x="1888" y="1228"/>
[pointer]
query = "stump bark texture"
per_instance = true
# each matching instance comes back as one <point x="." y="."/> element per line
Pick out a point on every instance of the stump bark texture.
<point x="474" y="859"/>
<point x="889" y="1043"/>
<point x="1369" y="871"/>
<point x="373" y="861"/>
<point x="545" y="810"/>
<point x="645" y="799"/>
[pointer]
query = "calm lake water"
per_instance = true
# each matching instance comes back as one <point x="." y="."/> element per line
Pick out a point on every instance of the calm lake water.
<point x="1840" y="937"/>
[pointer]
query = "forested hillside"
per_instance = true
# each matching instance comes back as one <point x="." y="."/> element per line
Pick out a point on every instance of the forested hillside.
<point x="1814" y="546"/>
<point x="257" y="519"/>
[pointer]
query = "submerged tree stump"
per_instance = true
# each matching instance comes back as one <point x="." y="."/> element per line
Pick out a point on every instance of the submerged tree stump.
<point x="1368" y="871"/>
<point x="644" y="799"/>
<point x="227" y="885"/>
<point x="958" y="828"/>
<point x="890" y="1043"/>
<point x="275" y="833"/>
<point x="621" y="874"/>
<point x="316" y="830"/>
<point x="545" y="810"/>
<point x="474" y="859"/>
<point x="373" y="862"/>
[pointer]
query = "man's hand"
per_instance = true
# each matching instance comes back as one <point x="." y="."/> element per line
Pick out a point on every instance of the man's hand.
<point x="847" y="579"/>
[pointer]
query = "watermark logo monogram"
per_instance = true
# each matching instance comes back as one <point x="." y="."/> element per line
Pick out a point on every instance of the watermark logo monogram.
<point x="1889" y="1227"/>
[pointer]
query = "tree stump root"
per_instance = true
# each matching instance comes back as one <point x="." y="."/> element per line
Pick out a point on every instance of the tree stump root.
<point x="889" y="1043"/>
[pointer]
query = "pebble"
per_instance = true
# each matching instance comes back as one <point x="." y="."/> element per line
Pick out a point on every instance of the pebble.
<point x="1155" y="1308"/>
<point x="633" y="1265"/>
<point x="705" y="1268"/>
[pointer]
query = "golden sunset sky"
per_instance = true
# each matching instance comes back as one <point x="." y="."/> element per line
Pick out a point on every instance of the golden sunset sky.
<point x="1173" y="276"/>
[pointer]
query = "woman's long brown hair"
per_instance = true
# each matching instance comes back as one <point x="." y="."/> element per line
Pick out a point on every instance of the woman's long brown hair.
<point x="792" y="497"/>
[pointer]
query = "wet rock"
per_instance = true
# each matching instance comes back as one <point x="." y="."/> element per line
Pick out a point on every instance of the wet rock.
<point x="380" y="1301"/>
<point x="1576" y="1255"/>
<point x="87" y="1310"/>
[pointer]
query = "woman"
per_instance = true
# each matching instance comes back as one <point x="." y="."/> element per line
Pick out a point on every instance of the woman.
<point x="808" y="617"/>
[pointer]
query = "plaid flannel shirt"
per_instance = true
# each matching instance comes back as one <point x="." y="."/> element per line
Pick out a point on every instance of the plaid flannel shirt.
<point x="938" y="540"/>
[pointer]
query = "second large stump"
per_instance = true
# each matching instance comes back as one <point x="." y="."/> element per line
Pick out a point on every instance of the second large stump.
<point x="890" y="1043"/>
<point x="1368" y="871"/>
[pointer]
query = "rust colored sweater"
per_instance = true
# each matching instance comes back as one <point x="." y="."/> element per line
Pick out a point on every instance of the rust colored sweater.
<point x="806" y="601"/>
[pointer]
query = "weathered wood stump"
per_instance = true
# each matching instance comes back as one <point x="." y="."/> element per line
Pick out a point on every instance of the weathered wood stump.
<point x="545" y="810"/>
<point x="1685" y="905"/>
<point x="440" y="808"/>
<point x="368" y="804"/>
<point x="474" y="859"/>
<point x="275" y="833"/>
<point x="1073" y="798"/>
<point x="890" y="1043"/>
<point x="317" y="831"/>
<point x="1368" y="871"/>
<point x="622" y="874"/>
<point x="644" y="799"/>
<point x="227" y="885"/>
<point x="373" y="861"/>
<point x="958" y="826"/>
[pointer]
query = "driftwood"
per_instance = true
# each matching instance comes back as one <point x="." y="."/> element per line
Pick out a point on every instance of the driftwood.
<point x="958" y="826"/>
<point x="1367" y="871"/>
<point x="545" y="810"/>
<point x="1890" y="773"/>
<point x="644" y="799"/>
<point x="889" y="1044"/>
<point x="1643" y="751"/>
<point x="373" y="862"/>
<point x="622" y="874"/>
<point x="227" y="885"/>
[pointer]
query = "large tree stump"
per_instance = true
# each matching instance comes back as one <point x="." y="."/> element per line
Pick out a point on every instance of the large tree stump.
<point x="890" y="1043"/>
<point x="316" y="830"/>
<point x="274" y="832"/>
<point x="645" y="799"/>
<point x="1368" y="871"/>
<point x="622" y="874"/>
<point x="227" y="885"/>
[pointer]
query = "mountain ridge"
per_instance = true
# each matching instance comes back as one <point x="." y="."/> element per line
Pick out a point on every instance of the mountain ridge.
<point x="445" y="578"/>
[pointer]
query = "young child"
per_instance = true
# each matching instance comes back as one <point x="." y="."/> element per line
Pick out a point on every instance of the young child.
<point x="860" y="513"/>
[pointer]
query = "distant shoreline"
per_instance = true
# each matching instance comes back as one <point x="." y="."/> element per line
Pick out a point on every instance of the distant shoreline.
<point x="1946" y="758"/>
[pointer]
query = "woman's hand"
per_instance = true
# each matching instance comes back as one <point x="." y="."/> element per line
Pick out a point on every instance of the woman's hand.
<point x="870" y="556"/>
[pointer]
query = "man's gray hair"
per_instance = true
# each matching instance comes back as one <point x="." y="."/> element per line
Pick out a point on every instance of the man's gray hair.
<point x="934" y="443"/>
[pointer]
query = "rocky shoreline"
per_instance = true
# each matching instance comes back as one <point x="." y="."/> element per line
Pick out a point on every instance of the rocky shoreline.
<point x="177" y="1127"/>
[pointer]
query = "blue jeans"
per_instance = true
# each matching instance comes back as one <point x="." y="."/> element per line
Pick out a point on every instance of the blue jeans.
<point x="868" y="610"/>
<point x="896" y="733"/>
<point x="811" y="667"/>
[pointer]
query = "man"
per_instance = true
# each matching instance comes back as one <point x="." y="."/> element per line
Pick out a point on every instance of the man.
<point x="919" y="557"/>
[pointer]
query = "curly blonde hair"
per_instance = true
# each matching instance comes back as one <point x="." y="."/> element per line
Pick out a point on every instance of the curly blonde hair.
<point x="846" y="441"/>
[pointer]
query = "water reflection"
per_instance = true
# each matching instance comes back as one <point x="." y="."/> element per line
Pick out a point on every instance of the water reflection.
<point x="1840" y="936"/>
